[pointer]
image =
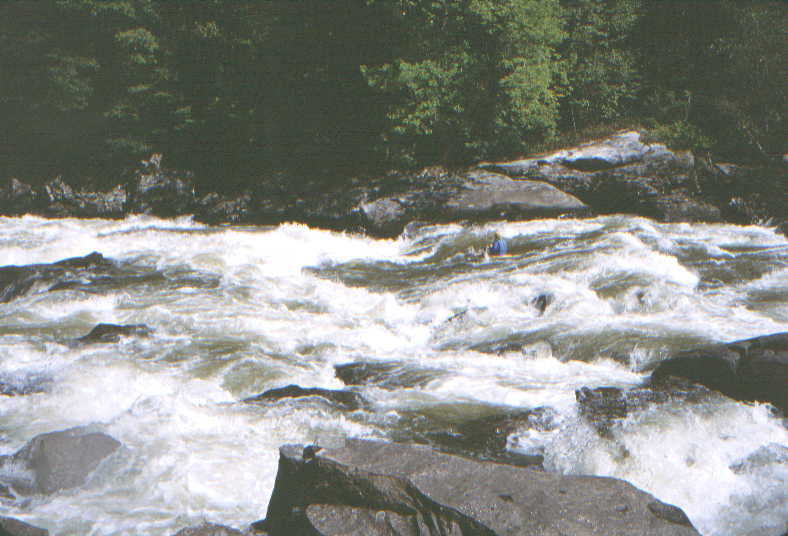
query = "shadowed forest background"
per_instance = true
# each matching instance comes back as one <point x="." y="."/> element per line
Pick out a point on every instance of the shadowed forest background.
<point x="235" y="90"/>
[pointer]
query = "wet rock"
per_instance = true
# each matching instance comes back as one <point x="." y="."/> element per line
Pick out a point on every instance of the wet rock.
<point x="16" y="281"/>
<point x="21" y="388"/>
<point x="346" y="400"/>
<point x="771" y="455"/>
<point x="542" y="301"/>
<point x="480" y="433"/>
<point x="56" y="461"/>
<point x="209" y="529"/>
<point x="13" y="527"/>
<point x="753" y="369"/>
<point x="603" y="407"/>
<point x="369" y="487"/>
<point x="386" y="375"/>
<point x="439" y="195"/>
<point x="109" y="333"/>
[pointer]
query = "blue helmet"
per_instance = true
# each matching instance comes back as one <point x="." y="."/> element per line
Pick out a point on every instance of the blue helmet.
<point x="498" y="247"/>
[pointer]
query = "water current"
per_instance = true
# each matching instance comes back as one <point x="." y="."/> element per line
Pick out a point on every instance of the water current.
<point x="459" y="336"/>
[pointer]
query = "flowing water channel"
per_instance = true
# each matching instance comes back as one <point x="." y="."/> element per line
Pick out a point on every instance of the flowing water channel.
<point x="457" y="337"/>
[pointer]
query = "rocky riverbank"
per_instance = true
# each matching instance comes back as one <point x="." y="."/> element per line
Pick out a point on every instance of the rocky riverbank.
<point x="619" y="174"/>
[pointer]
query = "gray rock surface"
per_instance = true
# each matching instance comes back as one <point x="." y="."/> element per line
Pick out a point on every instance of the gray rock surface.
<point x="752" y="369"/>
<point x="438" y="195"/>
<point x="624" y="174"/>
<point x="56" y="461"/>
<point x="371" y="488"/>
<point x="13" y="527"/>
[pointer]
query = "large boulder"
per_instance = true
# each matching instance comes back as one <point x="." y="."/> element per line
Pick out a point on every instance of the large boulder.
<point x="752" y="369"/>
<point x="622" y="173"/>
<point x="439" y="195"/>
<point x="56" y="461"/>
<point x="13" y="527"/>
<point x="377" y="488"/>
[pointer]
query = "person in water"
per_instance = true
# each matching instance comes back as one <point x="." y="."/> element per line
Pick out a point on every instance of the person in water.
<point x="498" y="247"/>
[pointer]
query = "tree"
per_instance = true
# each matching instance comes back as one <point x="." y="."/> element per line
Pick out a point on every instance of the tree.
<point x="602" y="75"/>
<point x="473" y="79"/>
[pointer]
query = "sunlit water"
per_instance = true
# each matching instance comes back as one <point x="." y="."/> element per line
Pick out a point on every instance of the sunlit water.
<point x="238" y="310"/>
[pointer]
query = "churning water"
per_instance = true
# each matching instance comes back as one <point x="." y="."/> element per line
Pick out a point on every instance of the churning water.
<point x="460" y="336"/>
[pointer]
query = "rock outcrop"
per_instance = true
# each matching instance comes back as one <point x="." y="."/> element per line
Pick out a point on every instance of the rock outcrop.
<point x="376" y="488"/>
<point x="622" y="174"/>
<point x="438" y="195"/>
<point x="752" y="369"/>
<point x="56" y="461"/>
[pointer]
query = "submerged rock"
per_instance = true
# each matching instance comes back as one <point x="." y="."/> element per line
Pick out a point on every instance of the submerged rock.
<point x="603" y="407"/>
<point x="16" y="281"/>
<point x="56" y="461"/>
<point x="209" y="529"/>
<point x="378" y="488"/>
<point x="389" y="375"/>
<point x="346" y="400"/>
<point x="753" y="369"/>
<point x="13" y="527"/>
<point x="106" y="333"/>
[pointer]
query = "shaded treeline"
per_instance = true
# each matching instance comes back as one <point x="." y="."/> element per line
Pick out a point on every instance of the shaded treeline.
<point x="236" y="89"/>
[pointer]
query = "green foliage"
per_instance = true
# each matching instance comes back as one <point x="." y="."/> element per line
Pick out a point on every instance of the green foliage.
<point x="227" y="88"/>
<point x="477" y="80"/>
<point x="680" y="135"/>
<point x="602" y="76"/>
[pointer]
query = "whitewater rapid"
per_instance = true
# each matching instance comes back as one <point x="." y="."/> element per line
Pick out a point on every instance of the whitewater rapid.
<point x="238" y="310"/>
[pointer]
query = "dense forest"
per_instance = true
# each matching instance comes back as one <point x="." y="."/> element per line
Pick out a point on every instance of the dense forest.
<point x="231" y="89"/>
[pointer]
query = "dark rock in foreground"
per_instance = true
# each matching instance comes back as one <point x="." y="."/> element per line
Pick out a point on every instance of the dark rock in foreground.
<point x="107" y="333"/>
<point x="375" y="488"/>
<point x="208" y="529"/>
<point x="347" y="400"/>
<point x="56" y="461"/>
<point x="13" y="527"/>
<point x="752" y="369"/>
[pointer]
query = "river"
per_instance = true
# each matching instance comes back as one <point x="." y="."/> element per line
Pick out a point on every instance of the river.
<point x="238" y="310"/>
